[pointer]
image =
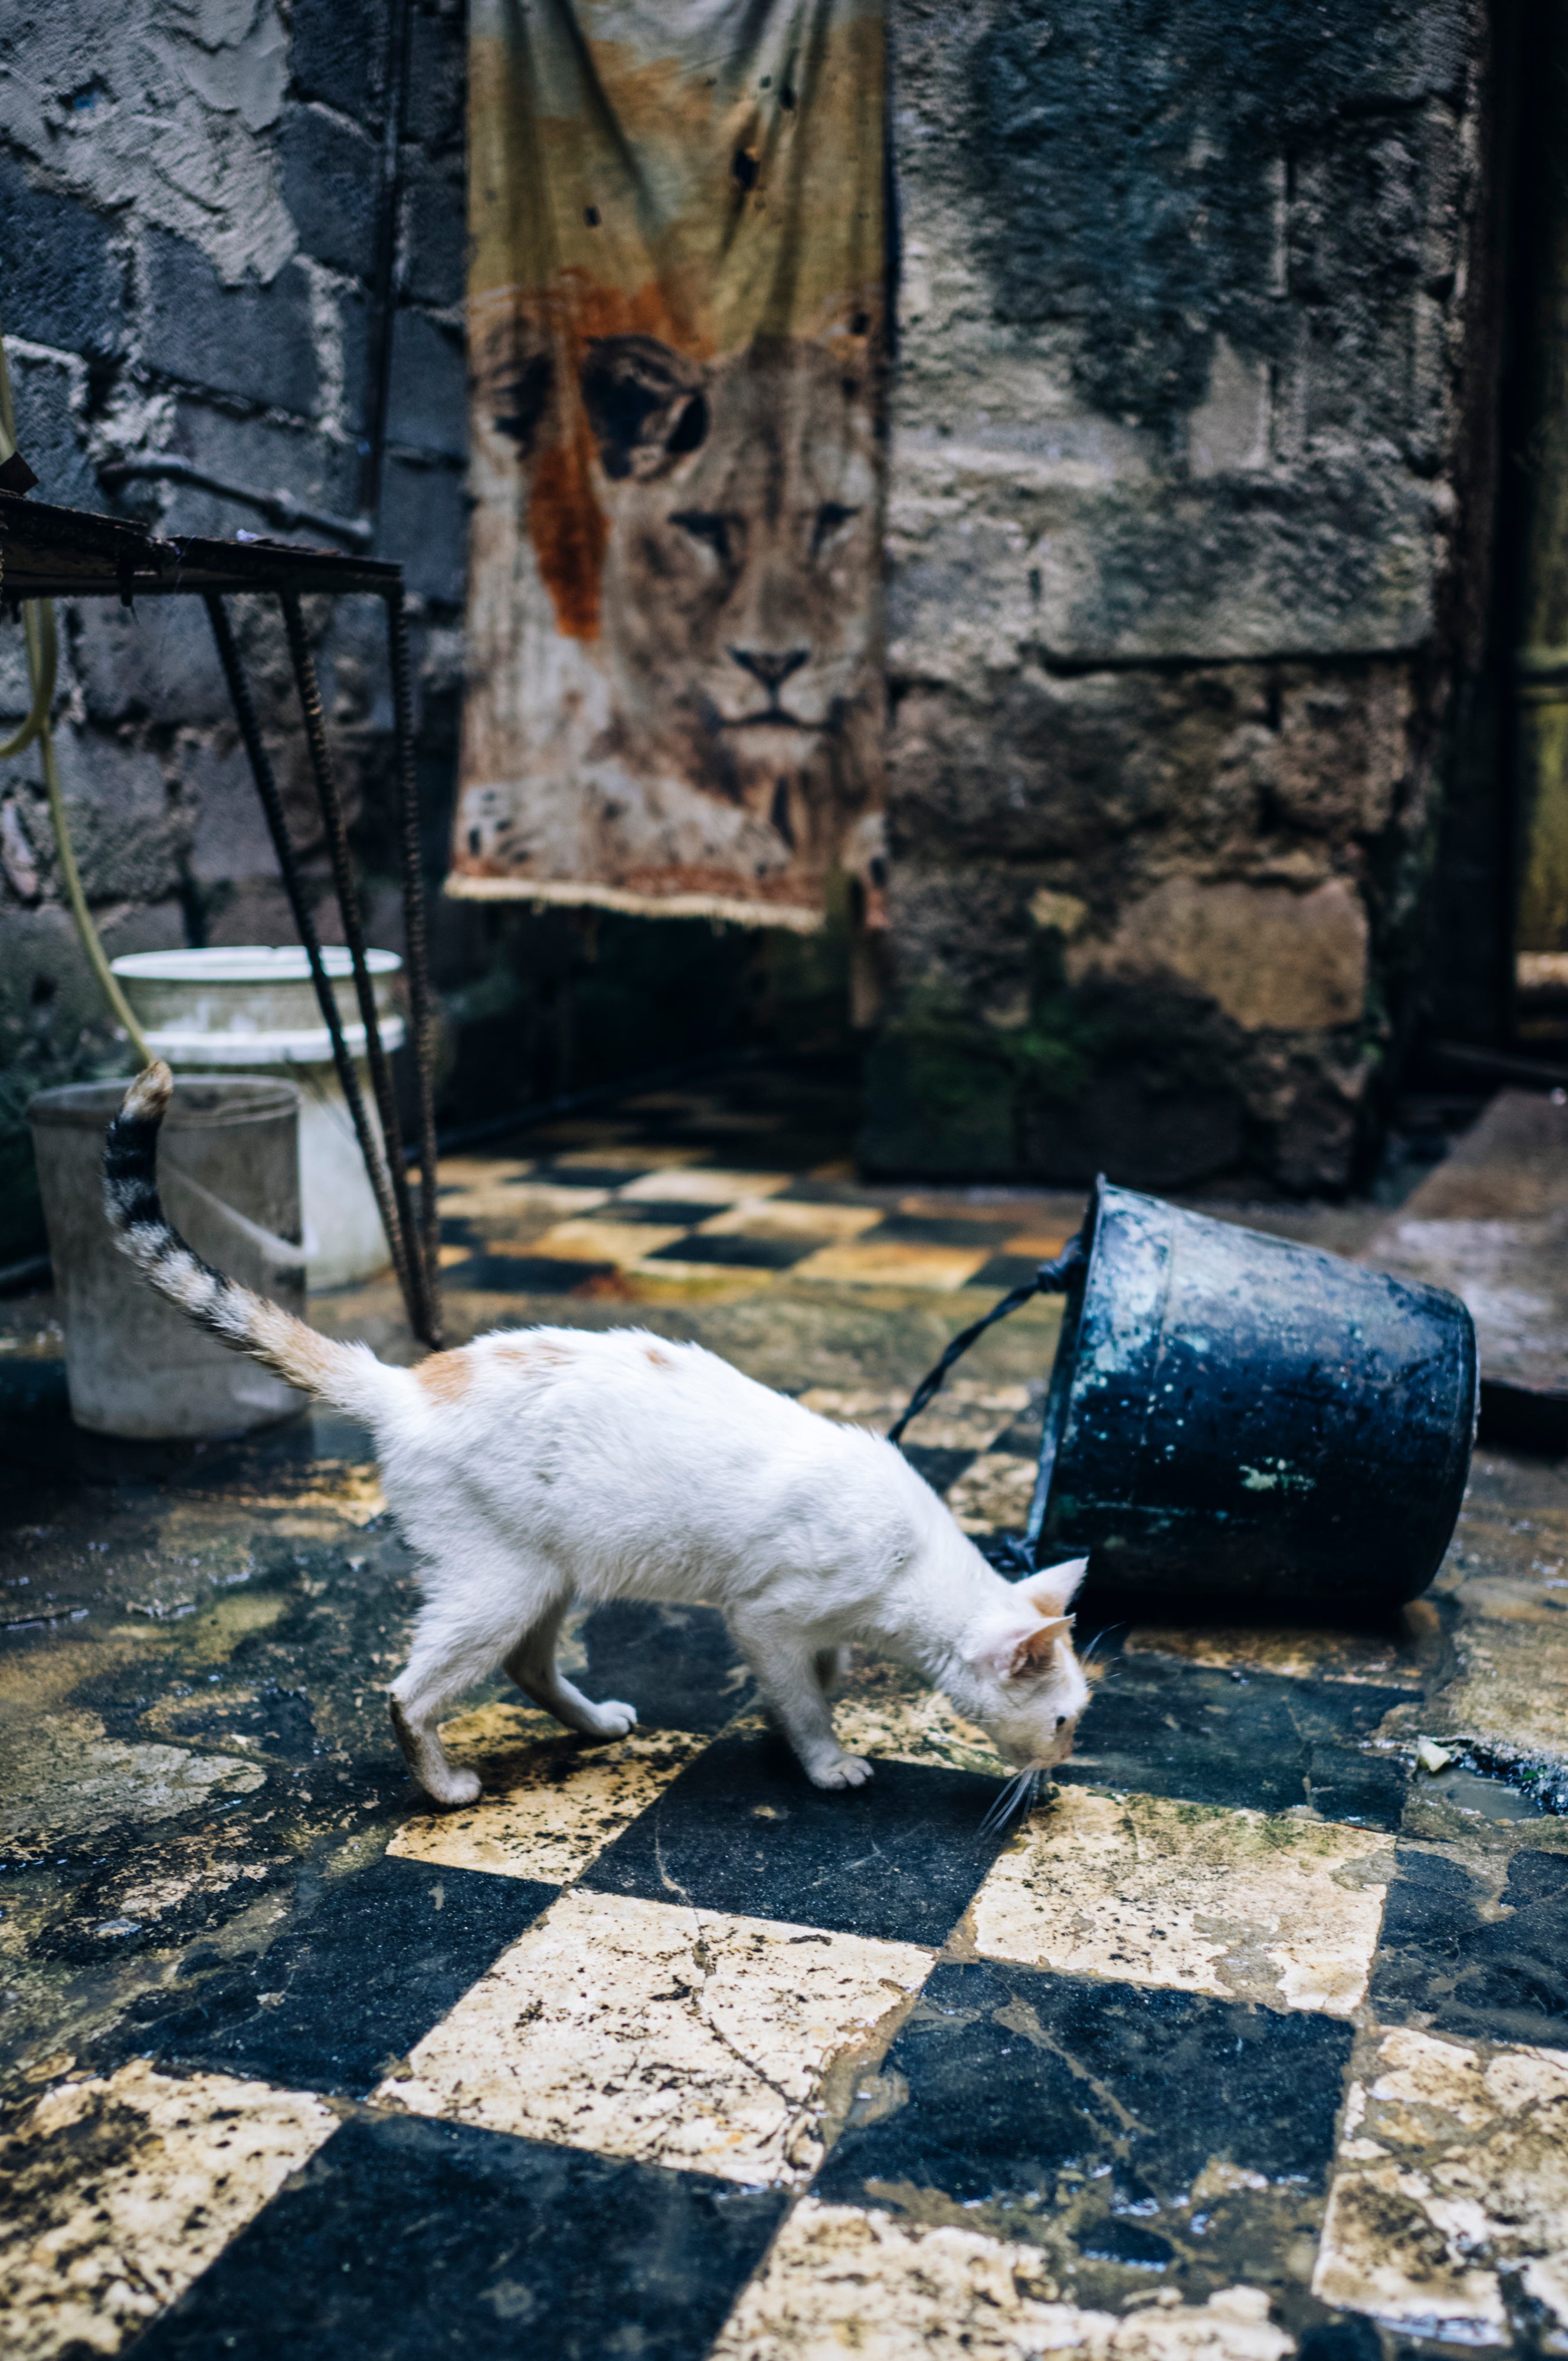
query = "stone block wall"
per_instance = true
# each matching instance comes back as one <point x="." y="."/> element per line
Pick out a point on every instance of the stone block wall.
<point x="1187" y="512"/>
<point x="188" y="215"/>
<point x="1187" y="507"/>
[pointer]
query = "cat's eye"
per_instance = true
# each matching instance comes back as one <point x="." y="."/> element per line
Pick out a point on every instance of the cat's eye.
<point x="829" y="517"/>
<point x="1061" y="1721"/>
<point x="708" y="527"/>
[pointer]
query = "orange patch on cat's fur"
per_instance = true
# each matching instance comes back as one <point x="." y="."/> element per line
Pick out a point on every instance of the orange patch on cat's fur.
<point x="532" y="1354"/>
<point x="447" y="1376"/>
<point x="659" y="1360"/>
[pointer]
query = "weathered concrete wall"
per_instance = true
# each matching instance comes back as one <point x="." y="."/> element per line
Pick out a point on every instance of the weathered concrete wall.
<point x="188" y="207"/>
<point x="1190" y="339"/>
<point x="1189" y="345"/>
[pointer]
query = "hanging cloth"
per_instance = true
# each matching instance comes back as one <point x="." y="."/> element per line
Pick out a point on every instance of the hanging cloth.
<point x="676" y="322"/>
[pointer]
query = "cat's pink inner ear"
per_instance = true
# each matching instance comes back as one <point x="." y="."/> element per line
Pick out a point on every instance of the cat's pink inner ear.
<point x="1036" y="1646"/>
<point x="1054" y="1588"/>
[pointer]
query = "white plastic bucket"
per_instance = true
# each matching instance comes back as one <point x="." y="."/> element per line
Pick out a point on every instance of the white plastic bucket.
<point x="228" y="1171"/>
<point x="254" y="1006"/>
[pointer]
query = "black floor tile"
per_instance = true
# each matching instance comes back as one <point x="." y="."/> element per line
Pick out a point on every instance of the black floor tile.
<point x="411" y="2239"/>
<point x="1136" y="2131"/>
<point x="1212" y="1736"/>
<point x="742" y="1830"/>
<point x="1448" y="1962"/>
<point x="741" y="1254"/>
<point x="939" y="1468"/>
<point x="677" y="1664"/>
<point x="1004" y="1271"/>
<point x="593" y="1176"/>
<point x="501" y="1274"/>
<point x="660" y="1211"/>
<point x="1023" y="1437"/>
<point x="934" y="1230"/>
<point x="364" y="1972"/>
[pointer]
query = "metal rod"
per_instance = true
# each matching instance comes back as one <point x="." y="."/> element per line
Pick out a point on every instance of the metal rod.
<point x="281" y="508"/>
<point x="305" y="927"/>
<point x="416" y="949"/>
<point x="411" y="1271"/>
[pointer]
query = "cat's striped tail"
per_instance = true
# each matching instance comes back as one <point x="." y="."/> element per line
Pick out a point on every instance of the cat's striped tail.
<point x="348" y="1376"/>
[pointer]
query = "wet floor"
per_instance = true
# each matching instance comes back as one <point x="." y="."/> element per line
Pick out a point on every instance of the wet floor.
<point x="1253" y="2040"/>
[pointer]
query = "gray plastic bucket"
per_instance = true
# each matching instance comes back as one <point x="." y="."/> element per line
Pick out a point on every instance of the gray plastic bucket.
<point x="228" y="1171"/>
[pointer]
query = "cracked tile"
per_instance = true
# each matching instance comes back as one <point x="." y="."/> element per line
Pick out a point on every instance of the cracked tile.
<point x="1143" y="1890"/>
<point x="743" y="1830"/>
<point x="368" y="1965"/>
<point x="551" y="1801"/>
<point x="893" y="1716"/>
<point x="1448" y="2216"/>
<point x="408" y="2238"/>
<point x="1308" y="1654"/>
<point x="1140" y="2138"/>
<point x="840" y="2278"/>
<point x="121" y="2192"/>
<point x="682" y="2037"/>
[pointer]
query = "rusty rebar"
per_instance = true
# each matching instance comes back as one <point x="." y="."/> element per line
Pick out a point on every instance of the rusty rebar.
<point x="416" y="949"/>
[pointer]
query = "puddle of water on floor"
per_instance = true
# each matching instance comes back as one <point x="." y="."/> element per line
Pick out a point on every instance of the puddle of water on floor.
<point x="1469" y="1792"/>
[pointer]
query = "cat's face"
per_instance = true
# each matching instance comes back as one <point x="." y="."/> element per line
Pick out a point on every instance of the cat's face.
<point x="1024" y="1685"/>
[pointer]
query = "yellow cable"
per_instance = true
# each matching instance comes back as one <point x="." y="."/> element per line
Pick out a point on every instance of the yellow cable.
<point x="38" y="625"/>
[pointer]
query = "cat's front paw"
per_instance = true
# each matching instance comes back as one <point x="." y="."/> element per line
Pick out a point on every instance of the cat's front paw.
<point x="456" y="1787"/>
<point x="848" y="1771"/>
<point x="613" y="1719"/>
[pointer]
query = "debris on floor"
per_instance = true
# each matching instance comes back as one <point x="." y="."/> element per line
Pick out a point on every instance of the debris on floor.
<point x="1251" y="2041"/>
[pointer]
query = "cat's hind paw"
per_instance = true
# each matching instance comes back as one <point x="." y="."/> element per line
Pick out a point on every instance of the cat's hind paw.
<point x="456" y="1787"/>
<point x="848" y="1771"/>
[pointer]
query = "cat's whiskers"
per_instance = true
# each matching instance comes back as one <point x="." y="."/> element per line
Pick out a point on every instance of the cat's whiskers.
<point x="1014" y="1802"/>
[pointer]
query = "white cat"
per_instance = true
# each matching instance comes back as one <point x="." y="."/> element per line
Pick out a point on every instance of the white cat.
<point x="541" y="1467"/>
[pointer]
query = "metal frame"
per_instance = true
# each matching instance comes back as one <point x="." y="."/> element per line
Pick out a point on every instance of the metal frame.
<point x="53" y="553"/>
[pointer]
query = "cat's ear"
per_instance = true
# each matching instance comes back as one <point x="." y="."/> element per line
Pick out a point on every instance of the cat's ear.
<point x="1055" y="1587"/>
<point x="1026" y="1647"/>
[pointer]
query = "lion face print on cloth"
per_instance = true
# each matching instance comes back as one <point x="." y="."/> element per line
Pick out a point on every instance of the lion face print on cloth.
<point x="677" y="332"/>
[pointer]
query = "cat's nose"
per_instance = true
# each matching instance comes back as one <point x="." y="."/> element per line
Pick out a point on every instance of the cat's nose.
<point x="771" y="669"/>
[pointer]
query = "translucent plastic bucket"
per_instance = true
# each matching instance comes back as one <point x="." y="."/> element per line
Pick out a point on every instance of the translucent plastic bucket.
<point x="252" y="1006"/>
<point x="228" y="1172"/>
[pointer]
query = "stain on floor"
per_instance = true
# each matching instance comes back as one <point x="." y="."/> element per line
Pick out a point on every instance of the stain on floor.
<point x="1250" y="2042"/>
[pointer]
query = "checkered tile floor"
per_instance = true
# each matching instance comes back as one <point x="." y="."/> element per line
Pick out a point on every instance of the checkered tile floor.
<point x="556" y="1225"/>
<point x="656" y="2052"/>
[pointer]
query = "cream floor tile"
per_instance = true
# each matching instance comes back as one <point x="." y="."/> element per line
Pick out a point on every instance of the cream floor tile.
<point x="1306" y="1654"/>
<point x="781" y="1217"/>
<point x="707" y="1185"/>
<point x="965" y="1416"/>
<point x="995" y="1489"/>
<point x="551" y="1801"/>
<point x="521" y="1201"/>
<point x="683" y="2038"/>
<point x="1251" y="1905"/>
<point x="1036" y="1246"/>
<point x="1452" y="2179"/>
<point x="893" y="1262"/>
<point x="596" y="1241"/>
<point x="839" y="2280"/>
<point x="886" y="1711"/>
<point x="120" y="2192"/>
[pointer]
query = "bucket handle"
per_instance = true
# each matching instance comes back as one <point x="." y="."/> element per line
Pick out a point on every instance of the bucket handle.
<point x="1052" y="1278"/>
<point x="282" y="1253"/>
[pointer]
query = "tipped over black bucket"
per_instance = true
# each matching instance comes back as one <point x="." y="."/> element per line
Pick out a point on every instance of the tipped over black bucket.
<point x="1231" y="1412"/>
